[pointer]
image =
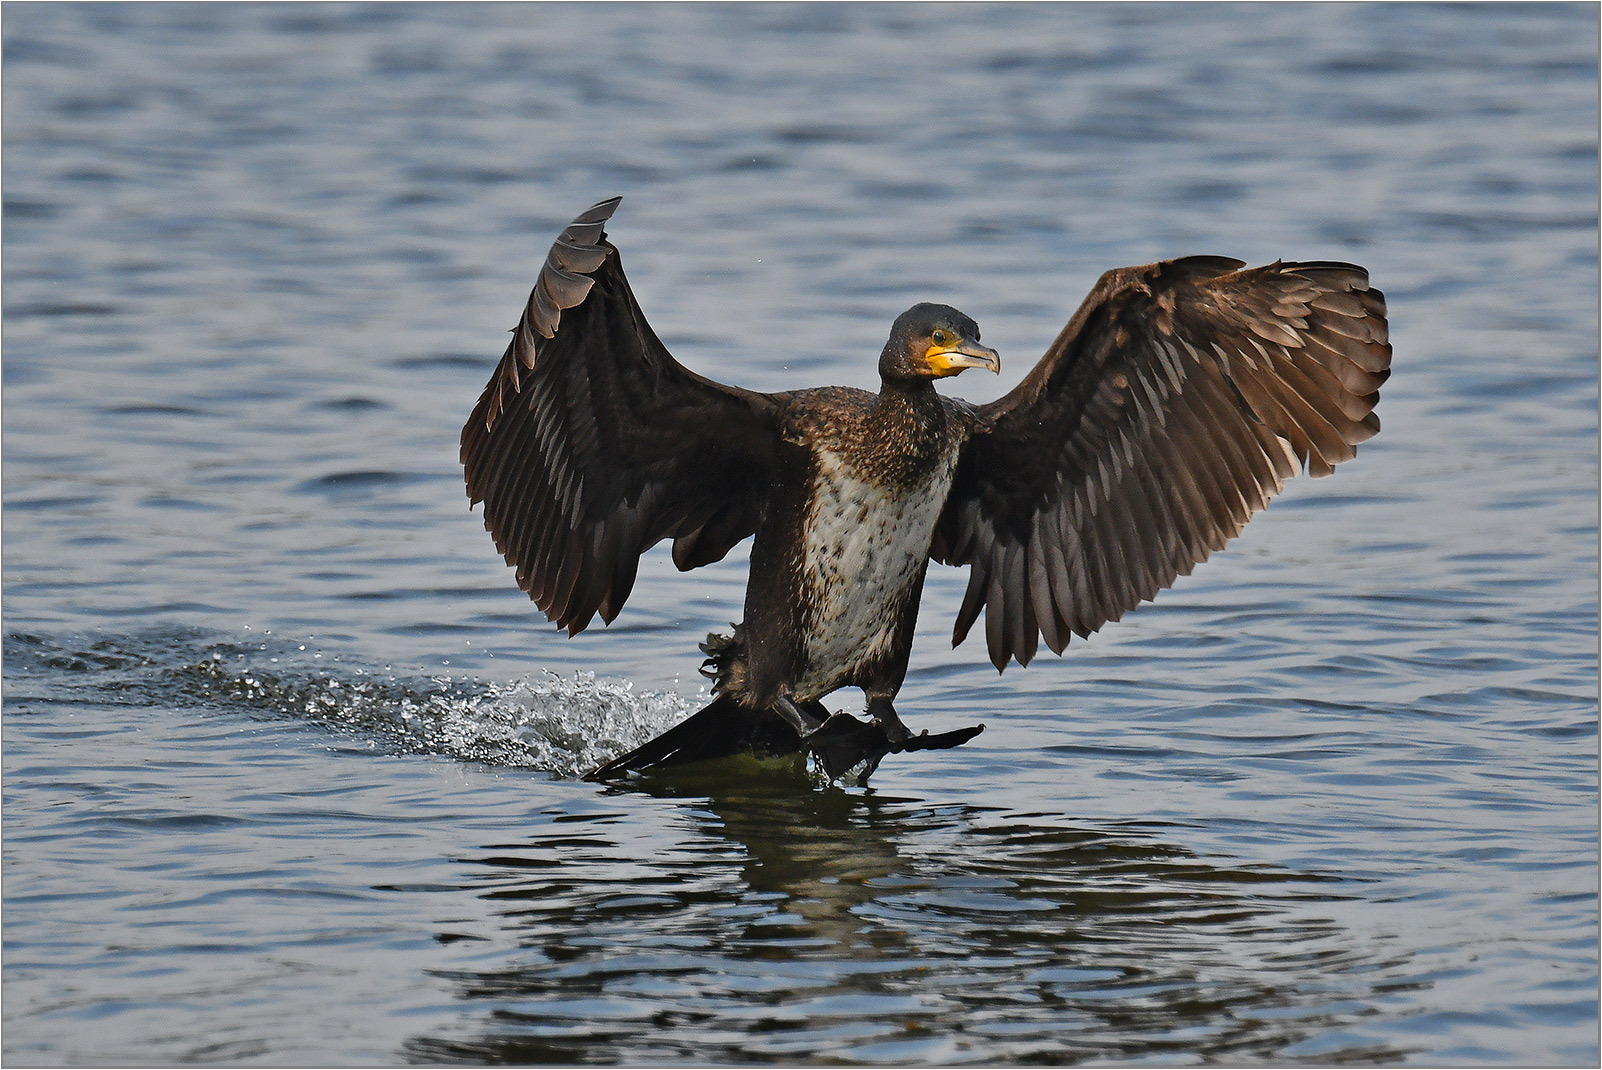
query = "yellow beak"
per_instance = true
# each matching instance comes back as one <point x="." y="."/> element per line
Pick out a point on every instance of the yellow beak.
<point x="949" y="360"/>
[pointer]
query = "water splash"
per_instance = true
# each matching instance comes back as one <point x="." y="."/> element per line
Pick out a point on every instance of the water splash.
<point x="560" y="725"/>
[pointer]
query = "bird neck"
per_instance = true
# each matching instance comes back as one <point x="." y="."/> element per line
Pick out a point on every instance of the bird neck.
<point x="917" y="395"/>
<point x="908" y="412"/>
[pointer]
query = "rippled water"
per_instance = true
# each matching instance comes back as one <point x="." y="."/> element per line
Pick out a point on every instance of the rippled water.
<point x="288" y="766"/>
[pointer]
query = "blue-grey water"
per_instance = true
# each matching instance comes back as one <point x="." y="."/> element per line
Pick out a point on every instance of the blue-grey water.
<point x="289" y="761"/>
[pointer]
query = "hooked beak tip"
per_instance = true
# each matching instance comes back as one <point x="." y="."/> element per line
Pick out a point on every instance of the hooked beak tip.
<point x="974" y="355"/>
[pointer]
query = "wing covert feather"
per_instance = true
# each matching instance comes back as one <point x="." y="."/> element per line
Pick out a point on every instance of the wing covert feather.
<point x="1169" y="410"/>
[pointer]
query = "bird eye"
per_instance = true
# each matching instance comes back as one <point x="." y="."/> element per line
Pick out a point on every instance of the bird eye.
<point x="939" y="337"/>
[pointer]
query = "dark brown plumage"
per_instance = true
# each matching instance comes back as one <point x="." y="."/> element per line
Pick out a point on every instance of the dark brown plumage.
<point x="1170" y="409"/>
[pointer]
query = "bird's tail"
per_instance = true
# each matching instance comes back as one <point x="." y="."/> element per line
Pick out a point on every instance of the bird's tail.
<point x="720" y="730"/>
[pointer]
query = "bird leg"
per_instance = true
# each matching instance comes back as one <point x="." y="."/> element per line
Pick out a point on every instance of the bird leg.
<point x="815" y="710"/>
<point x="901" y="737"/>
<point x="884" y="715"/>
<point x="803" y="721"/>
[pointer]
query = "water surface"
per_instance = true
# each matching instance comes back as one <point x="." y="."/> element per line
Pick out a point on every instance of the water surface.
<point x="289" y="761"/>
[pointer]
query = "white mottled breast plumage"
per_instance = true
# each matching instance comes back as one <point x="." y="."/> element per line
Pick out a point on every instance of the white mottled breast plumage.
<point x="865" y="552"/>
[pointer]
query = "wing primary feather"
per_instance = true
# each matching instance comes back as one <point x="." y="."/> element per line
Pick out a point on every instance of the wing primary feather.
<point x="567" y="256"/>
<point x="996" y="622"/>
<point x="1353" y="377"/>
<point x="565" y="289"/>
<point x="1026" y="633"/>
<point x="1197" y="459"/>
<point x="1144" y="537"/>
<point x="504" y="460"/>
<point x="1166" y="504"/>
<point x="584" y="233"/>
<point x="1239" y="484"/>
<point x="973" y="600"/>
<point x="599" y="212"/>
<point x="567" y="574"/>
<point x="1328" y="445"/>
<point x="1340" y="303"/>
<point x="1040" y="597"/>
<point x="1049" y="537"/>
<point x="1186" y="494"/>
<point x="543" y="313"/>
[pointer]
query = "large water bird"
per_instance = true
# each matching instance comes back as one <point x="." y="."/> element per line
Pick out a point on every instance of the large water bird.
<point x="1172" y="406"/>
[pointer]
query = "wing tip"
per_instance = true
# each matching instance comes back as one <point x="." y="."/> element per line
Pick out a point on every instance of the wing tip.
<point x="600" y="211"/>
<point x="563" y="282"/>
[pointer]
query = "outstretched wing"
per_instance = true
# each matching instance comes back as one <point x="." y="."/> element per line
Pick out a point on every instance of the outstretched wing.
<point x="1171" y="408"/>
<point x="591" y="443"/>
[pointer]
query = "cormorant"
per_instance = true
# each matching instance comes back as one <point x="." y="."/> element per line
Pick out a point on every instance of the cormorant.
<point x="1172" y="406"/>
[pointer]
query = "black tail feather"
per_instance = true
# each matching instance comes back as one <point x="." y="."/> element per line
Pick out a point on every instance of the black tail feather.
<point x="722" y="729"/>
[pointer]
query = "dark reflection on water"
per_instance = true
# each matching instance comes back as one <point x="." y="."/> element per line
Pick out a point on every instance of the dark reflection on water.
<point x="788" y="922"/>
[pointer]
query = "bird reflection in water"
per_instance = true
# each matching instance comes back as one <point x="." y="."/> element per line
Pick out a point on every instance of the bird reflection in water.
<point x="761" y="920"/>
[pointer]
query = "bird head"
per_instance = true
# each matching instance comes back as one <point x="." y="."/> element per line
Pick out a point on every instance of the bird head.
<point x="931" y="342"/>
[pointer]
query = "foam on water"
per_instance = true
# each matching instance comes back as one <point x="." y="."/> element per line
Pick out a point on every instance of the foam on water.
<point x="547" y="722"/>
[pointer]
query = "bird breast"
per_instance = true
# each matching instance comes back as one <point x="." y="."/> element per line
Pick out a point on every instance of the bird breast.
<point x="867" y="545"/>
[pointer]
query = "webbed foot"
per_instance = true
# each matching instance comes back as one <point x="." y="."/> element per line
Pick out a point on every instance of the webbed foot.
<point x="843" y="743"/>
<point x="941" y="741"/>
